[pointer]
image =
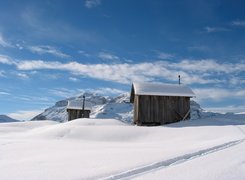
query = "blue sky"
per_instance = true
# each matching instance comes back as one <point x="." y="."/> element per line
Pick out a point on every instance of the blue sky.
<point x="53" y="49"/>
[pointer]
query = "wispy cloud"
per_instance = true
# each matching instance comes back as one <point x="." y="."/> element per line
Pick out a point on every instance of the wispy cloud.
<point x="42" y="28"/>
<point x="219" y="93"/>
<point x="22" y="76"/>
<point x="73" y="79"/>
<point x="19" y="46"/>
<point x="215" y="29"/>
<point x="238" y="23"/>
<point x="24" y="115"/>
<point x="6" y="60"/>
<point x="236" y="81"/>
<point x="84" y="53"/>
<point x="108" y="56"/>
<point x="92" y="3"/>
<point x="4" y="93"/>
<point x="34" y="99"/>
<point x="4" y="42"/>
<point x="47" y="50"/>
<point x="2" y="73"/>
<point x="208" y="65"/>
<point x="164" y="55"/>
<point x="64" y="92"/>
<point x="189" y="70"/>
<point x="198" y="48"/>
<point x="225" y="109"/>
<point x="105" y="91"/>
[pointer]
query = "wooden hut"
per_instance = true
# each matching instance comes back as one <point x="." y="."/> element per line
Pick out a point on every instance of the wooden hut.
<point x="76" y="109"/>
<point x="156" y="104"/>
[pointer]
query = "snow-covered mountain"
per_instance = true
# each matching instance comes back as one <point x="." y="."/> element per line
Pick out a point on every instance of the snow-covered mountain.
<point x="102" y="107"/>
<point x="106" y="107"/>
<point x="4" y="118"/>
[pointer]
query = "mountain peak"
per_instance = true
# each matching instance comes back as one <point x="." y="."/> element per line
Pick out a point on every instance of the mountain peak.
<point x="103" y="107"/>
<point x="4" y="118"/>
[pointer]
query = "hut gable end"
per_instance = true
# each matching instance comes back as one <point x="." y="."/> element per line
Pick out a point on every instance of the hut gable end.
<point x="156" y="104"/>
<point x="75" y="109"/>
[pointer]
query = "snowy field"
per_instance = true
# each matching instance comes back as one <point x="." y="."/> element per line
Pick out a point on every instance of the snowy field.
<point x="211" y="148"/>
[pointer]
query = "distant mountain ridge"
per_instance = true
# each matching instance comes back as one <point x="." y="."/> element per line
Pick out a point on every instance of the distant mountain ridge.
<point x="102" y="107"/>
<point x="4" y="118"/>
<point x="105" y="107"/>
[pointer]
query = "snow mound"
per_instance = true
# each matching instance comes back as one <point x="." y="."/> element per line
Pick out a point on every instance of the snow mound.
<point x="100" y="130"/>
<point x="109" y="148"/>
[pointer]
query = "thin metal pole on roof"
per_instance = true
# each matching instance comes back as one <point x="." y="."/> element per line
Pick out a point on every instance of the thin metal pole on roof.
<point x="83" y="106"/>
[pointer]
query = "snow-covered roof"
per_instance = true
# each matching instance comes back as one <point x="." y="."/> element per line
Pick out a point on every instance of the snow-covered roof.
<point x="162" y="89"/>
<point x="78" y="104"/>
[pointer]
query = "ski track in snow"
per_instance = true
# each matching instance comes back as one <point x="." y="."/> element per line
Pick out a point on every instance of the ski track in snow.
<point x="240" y="129"/>
<point x="171" y="162"/>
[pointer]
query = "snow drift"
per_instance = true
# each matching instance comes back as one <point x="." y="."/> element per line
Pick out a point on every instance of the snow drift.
<point x="110" y="149"/>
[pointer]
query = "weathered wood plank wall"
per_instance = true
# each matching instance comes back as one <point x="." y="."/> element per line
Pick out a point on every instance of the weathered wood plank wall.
<point x="159" y="109"/>
<point x="75" y="114"/>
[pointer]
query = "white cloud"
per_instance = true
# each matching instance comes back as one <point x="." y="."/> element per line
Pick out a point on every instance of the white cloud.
<point x="47" y="50"/>
<point x="92" y="3"/>
<point x="20" y="47"/>
<point x="35" y="99"/>
<point x="22" y="75"/>
<point x="215" y="29"/>
<point x="84" y="53"/>
<point x="37" y="64"/>
<point x="73" y="79"/>
<point x="198" y="48"/>
<point x="4" y="93"/>
<point x="240" y="93"/>
<point x="64" y="92"/>
<point x="191" y="71"/>
<point x="24" y="115"/>
<point x="225" y="109"/>
<point x="236" y="81"/>
<point x="3" y="42"/>
<point x="106" y="91"/>
<point x="107" y="56"/>
<point x="2" y="74"/>
<point x="208" y="65"/>
<point x="218" y="94"/>
<point x="163" y="55"/>
<point x="6" y="60"/>
<point x="238" y="23"/>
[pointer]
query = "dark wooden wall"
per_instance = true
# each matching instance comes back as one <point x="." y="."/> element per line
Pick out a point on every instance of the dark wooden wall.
<point x="75" y="114"/>
<point x="156" y="110"/>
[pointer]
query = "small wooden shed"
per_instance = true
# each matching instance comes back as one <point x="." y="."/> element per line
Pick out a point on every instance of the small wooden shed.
<point x="156" y="104"/>
<point x="75" y="109"/>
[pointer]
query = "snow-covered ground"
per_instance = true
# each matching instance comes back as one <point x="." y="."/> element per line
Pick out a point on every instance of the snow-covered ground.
<point x="207" y="148"/>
